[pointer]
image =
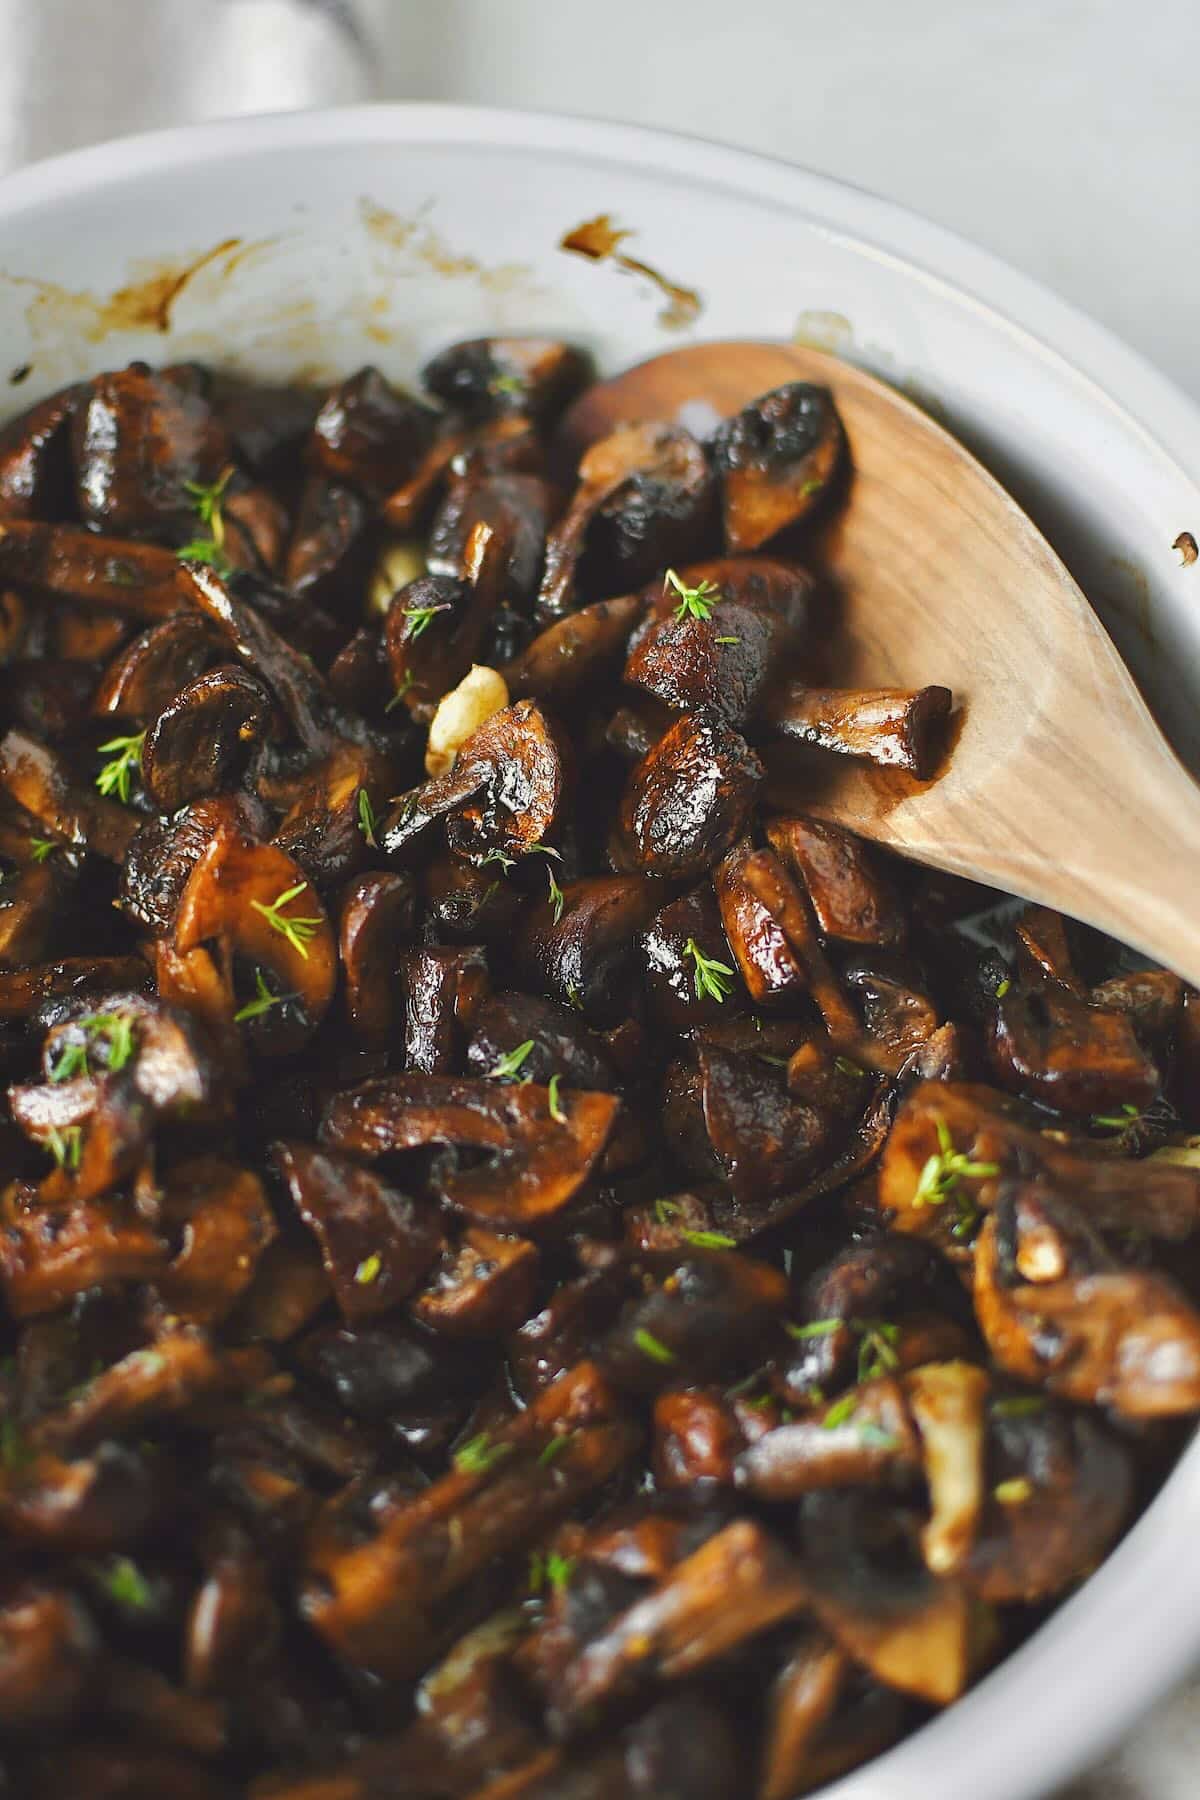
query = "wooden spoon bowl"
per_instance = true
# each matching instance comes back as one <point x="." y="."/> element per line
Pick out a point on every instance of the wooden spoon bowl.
<point x="1057" y="783"/>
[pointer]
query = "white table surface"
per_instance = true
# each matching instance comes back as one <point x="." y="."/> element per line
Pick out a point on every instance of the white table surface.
<point x="1063" y="134"/>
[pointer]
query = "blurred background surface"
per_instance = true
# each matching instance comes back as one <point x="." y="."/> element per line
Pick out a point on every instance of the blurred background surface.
<point x="1062" y="134"/>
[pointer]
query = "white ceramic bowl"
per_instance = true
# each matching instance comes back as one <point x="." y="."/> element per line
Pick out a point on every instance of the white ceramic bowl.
<point x="382" y="233"/>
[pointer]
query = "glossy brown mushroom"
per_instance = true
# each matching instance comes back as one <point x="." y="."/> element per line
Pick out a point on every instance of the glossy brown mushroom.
<point x="377" y="1243"/>
<point x="444" y="990"/>
<point x="199" y="743"/>
<point x="536" y="1162"/>
<point x="574" y="652"/>
<point x="138" y="437"/>
<point x="559" y="1041"/>
<point x="145" y="676"/>
<point x="483" y="1287"/>
<point x="328" y="545"/>
<point x="690" y="979"/>
<point x="583" y="956"/>
<point x="851" y="896"/>
<point x="369" y="435"/>
<point x="644" y="501"/>
<point x="777" y="459"/>
<point x="41" y="781"/>
<point x="891" y="727"/>
<point x="767" y="964"/>
<point x="35" y="470"/>
<point x="1075" y="1058"/>
<point x="482" y="377"/>
<point x="377" y="917"/>
<point x="1056" y="1307"/>
<point x="688" y="800"/>
<point x="118" y="575"/>
<point x="248" y="897"/>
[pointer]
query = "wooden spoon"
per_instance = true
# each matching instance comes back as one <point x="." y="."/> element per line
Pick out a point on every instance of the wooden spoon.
<point x="1058" y="786"/>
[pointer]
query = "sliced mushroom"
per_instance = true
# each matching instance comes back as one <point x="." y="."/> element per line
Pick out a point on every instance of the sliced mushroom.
<point x="777" y="459"/>
<point x="29" y="902"/>
<point x="377" y="1243"/>
<point x="23" y="991"/>
<point x="48" y="1658"/>
<point x="583" y="957"/>
<point x="992" y="1136"/>
<point x="138" y="438"/>
<point x="502" y="796"/>
<point x="370" y="435"/>
<point x="384" y="1603"/>
<point x="39" y="779"/>
<point x="328" y="827"/>
<point x="736" y="1586"/>
<point x="537" y="1161"/>
<point x="766" y="961"/>
<point x="873" y="1444"/>
<point x="112" y="574"/>
<point x="198" y="745"/>
<point x="801" y="1702"/>
<point x="484" y="376"/>
<point x="948" y="1402"/>
<point x="1060" y="1486"/>
<point x="573" y="653"/>
<point x="433" y="630"/>
<point x="219" y="1215"/>
<point x="145" y="676"/>
<point x="1076" y="1058"/>
<point x="851" y="897"/>
<point x="444" y="990"/>
<point x="892" y="727"/>
<point x="329" y="542"/>
<point x="689" y="978"/>
<point x="505" y="445"/>
<point x="493" y="530"/>
<point x="559" y="1042"/>
<point x="644" y="500"/>
<point x="482" y="1288"/>
<point x="874" y="1596"/>
<point x="705" y="1307"/>
<point x="257" y="903"/>
<point x="35" y="470"/>
<point x="148" y="1384"/>
<point x="51" y="1253"/>
<point x="161" y="856"/>
<point x="378" y="915"/>
<point x="1055" y="1307"/>
<point x="724" y="647"/>
<point x="688" y="800"/>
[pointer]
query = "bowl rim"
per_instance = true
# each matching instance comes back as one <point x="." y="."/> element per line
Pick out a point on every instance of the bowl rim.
<point x="1065" y="1697"/>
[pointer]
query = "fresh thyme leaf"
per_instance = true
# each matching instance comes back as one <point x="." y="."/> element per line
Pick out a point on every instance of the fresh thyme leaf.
<point x="946" y="1168"/>
<point x="876" y="1351"/>
<point x="497" y="856"/>
<point x="510" y="1063"/>
<point x="1014" y="1492"/>
<point x="367" y="820"/>
<point x="125" y="1583"/>
<point x="709" y="1240"/>
<point x="559" y="1569"/>
<point x="368" y="1269"/>
<point x="811" y="486"/>
<point x="204" y="550"/>
<point x="712" y="979"/>
<point x="400" y="692"/>
<point x="728" y="640"/>
<point x="506" y="384"/>
<point x="556" y="1111"/>
<point x="421" y="617"/>
<point x="41" y="848"/>
<point x="653" y="1347"/>
<point x="117" y="1028"/>
<point x="115" y="776"/>
<point x="65" y="1145"/>
<point x="816" y="1328"/>
<point x="479" y="1454"/>
<point x="1002" y="987"/>
<point x="298" y="931"/>
<point x="557" y="898"/>
<point x="553" y="1447"/>
<point x="263" y="1002"/>
<point x="694" y="602"/>
<point x="665" y="1210"/>
<point x="1018" y="1406"/>
<point x="72" y="1062"/>
<point x="208" y="499"/>
<point x="845" y="1067"/>
<point x="840" y="1411"/>
<point x="1116" y="1121"/>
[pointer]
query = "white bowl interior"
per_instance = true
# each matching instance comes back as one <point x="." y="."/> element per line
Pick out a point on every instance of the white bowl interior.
<point x="381" y="234"/>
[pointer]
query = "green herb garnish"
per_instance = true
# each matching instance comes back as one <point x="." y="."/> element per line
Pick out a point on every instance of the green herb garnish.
<point x="728" y="640"/>
<point x="709" y="1240"/>
<point x="712" y="979"/>
<point x="1116" y="1121"/>
<point x="263" y="1002"/>
<point x="694" y="602"/>
<point x="115" y="776"/>
<point x="204" y="550"/>
<point x="876" y="1351"/>
<point x="556" y="1111"/>
<point x="398" y="696"/>
<point x="41" y="848"/>
<point x="207" y="499"/>
<point x="1018" y="1406"/>
<point x="506" y="384"/>
<point x="299" y="932"/>
<point x="841" y="1411"/>
<point x="509" y="1065"/>
<point x="368" y="1269"/>
<point x="65" y="1145"/>
<point x="653" y="1347"/>
<point x="124" y="1582"/>
<point x="73" y="1061"/>
<point x="844" y="1066"/>
<point x="665" y="1210"/>
<point x="551" y="1448"/>
<point x="816" y="1328"/>
<point x="367" y="820"/>
<point x="497" y="856"/>
<point x="946" y="1168"/>
<point x="479" y="1454"/>
<point x="1003" y="987"/>
<point x="421" y="617"/>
